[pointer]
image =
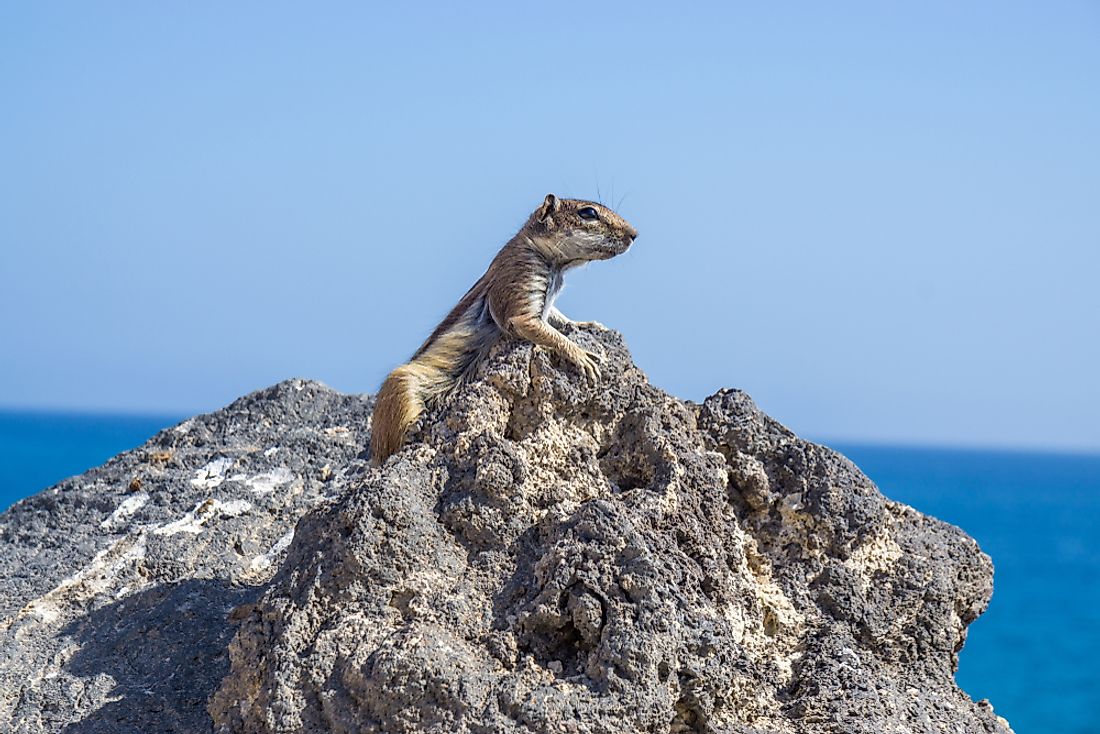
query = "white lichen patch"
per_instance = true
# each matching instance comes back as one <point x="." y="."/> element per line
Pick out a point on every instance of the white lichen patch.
<point x="263" y="561"/>
<point x="194" y="521"/>
<point x="191" y="522"/>
<point x="211" y="475"/>
<point x="233" y="508"/>
<point x="269" y="481"/>
<point x="125" y="511"/>
<point x="98" y="577"/>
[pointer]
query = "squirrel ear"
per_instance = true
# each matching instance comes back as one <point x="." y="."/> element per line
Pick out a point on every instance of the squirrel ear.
<point x="549" y="206"/>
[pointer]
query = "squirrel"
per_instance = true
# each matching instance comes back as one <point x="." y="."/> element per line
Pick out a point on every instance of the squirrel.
<point x="516" y="297"/>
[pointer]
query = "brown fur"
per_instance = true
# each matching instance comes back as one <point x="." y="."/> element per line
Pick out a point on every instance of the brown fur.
<point x="514" y="297"/>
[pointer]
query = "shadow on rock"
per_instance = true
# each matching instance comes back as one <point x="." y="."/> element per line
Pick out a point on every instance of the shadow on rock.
<point x="165" y="648"/>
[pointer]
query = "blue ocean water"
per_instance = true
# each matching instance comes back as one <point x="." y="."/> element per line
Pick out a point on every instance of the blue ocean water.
<point x="39" y="449"/>
<point x="1032" y="654"/>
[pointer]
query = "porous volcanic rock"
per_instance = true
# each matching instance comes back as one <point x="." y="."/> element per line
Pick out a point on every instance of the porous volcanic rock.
<point x="549" y="556"/>
<point x="544" y="555"/>
<point x="116" y="585"/>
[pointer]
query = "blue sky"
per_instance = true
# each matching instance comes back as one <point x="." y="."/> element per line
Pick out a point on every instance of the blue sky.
<point x="880" y="220"/>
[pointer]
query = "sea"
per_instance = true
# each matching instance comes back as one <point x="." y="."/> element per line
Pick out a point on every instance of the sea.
<point x="1034" y="654"/>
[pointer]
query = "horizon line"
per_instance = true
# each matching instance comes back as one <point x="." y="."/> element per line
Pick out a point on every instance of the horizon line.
<point x="830" y="442"/>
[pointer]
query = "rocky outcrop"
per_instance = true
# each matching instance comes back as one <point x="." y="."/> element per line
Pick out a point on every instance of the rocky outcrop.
<point x="544" y="556"/>
<point x="116" y="586"/>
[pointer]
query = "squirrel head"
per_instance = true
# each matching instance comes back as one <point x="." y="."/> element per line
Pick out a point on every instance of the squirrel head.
<point x="574" y="230"/>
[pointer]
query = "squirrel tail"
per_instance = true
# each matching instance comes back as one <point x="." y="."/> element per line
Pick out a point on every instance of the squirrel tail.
<point x="433" y="374"/>
<point x="400" y="402"/>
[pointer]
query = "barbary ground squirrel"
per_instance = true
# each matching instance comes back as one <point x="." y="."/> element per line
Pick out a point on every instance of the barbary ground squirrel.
<point x="515" y="297"/>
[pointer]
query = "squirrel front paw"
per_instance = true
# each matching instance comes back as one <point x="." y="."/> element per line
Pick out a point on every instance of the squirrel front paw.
<point x="588" y="363"/>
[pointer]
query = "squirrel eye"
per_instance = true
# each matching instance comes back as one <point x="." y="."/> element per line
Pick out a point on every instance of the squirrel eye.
<point x="588" y="214"/>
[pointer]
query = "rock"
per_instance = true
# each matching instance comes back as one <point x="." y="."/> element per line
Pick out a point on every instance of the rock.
<point x="115" y="586"/>
<point x="543" y="556"/>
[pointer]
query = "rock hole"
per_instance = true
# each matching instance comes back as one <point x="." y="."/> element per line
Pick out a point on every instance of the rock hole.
<point x="401" y="600"/>
<point x="512" y="431"/>
<point x="771" y="624"/>
<point x="710" y="586"/>
<point x="567" y="652"/>
<point x="687" y="720"/>
<point x="628" y="482"/>
<point x="626" y="471"/>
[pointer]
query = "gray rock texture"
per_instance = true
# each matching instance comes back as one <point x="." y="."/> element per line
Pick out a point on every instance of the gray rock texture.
<point x="544" y="556"/>
<point x="116" y="586"/>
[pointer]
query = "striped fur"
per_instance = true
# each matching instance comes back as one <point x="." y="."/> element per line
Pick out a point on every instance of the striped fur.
<point x="515" y="296"/>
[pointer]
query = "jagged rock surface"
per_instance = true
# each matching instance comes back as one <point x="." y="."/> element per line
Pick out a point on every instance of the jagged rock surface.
<point x="116" y="585"/>
<point x="552" y="557"/>
<point x="544" y="556"/>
